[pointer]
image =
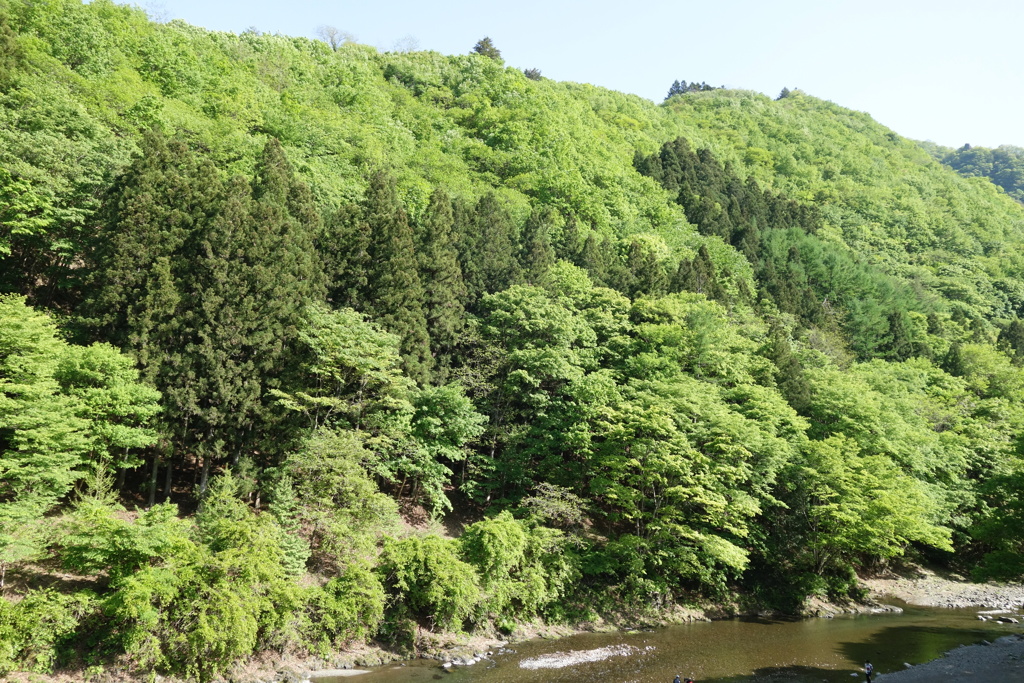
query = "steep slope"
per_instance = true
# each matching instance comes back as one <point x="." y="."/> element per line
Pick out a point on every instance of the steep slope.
<point x="879" y="193"/>
<point x="649" y="354"/>
<point x="90" y="78"/>
<point x="1003" y="165"/>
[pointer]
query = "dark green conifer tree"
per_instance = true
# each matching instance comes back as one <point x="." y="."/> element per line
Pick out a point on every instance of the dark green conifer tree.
<point x="394" y="293"/>
<point x="147" y="215"/>
<point x="682" y="278"/>
<point x="289" y="225"/>
<point x="789" y="375"/>
<point x="537" y="253"/>
<point x="645" y="273"/>
<point x="600" y="259"/>
<point x="1011" y="340"/>
<point x="222" y="399"/>
<point x="485" y="47"/>
<point x="953" y="362"/>
<point x="698" y="276"/>
<point x="570" y="242"/>
<point x="790" y="283"/>
<point x="140" y="286"/>
<point x="650" y="166"/>
<point x="592" y="259"/>
<point x="897" y="345"/>
<point x="345" y="249"/>
<point x="444" y="291"/>
<point x="749" y="242"/>
<point x="284" y="275"/>
<point x="489" y="249"/>
<point x="206" y="286"/>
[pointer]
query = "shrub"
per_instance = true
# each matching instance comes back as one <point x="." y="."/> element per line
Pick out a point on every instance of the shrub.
<point x="349" y="608"/>
<point x="425" y="578"/>
<point x="39" y="630"/>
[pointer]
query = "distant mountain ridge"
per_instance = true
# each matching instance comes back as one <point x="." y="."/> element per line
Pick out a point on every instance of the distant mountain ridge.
<point x="1003" y="165"/>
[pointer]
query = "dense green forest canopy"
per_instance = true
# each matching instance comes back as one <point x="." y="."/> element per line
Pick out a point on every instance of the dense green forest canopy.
<point x="264" y="301"/>
<point x="1003" y="165"/>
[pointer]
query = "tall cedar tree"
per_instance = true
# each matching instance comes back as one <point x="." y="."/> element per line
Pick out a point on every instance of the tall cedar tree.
<point x="599" y="256"/>
<point x="345" y="249"/>
<point x="789" y="375"/>
<point x="274" y="276"/>
<point x="569" y="244"/>
<point x="698" y="276"/>
<point x="444" y="290"/>
<point x="394" y="293"/>
<point x="488" y="249"/>
<point x="286" y="274"/>
<point x="594" y="259"/>
<point x="147" y="217"/>
<point x="645" y="273"/>
<point x="896" y="345"/>
<point x="537" y="253"/>
<point x="205" y="286"/>
<point x="149" y="212"/>
<point x="224" y="388"/>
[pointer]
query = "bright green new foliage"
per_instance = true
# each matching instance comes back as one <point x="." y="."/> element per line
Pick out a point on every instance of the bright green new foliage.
<point x="647" y="354"/>
<point x="424" y="577"/>
<point x="347" y="609"/>
<point x="39" y="631"/>
<point x="63" y="411"/>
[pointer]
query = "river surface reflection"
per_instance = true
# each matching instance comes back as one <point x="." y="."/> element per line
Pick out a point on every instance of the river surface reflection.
<point x="748" y="649"/>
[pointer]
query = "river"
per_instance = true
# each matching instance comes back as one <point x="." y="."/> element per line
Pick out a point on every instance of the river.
<point x="733" y="650"/>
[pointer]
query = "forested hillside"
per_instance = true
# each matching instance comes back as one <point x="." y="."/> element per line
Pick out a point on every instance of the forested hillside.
<point x="1003" y="165"/>
<point x="271" y="309"/>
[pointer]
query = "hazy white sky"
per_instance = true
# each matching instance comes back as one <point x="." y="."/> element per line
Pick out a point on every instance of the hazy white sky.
<point x="944" y="70"/>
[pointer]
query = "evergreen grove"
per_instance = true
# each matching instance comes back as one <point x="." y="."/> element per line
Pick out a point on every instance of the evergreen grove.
<point x="264" y="300"/>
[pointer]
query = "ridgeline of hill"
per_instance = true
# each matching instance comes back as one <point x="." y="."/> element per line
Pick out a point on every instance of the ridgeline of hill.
<point x="1003" y="165"/>
<point x="262" y="298"/>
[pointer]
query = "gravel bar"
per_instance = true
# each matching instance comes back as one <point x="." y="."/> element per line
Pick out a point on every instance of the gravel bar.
<point x="998" y="662"/>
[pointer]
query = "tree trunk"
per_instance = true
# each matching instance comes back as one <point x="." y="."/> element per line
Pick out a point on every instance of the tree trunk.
<point x="168" y="479"/>
<point x="152" y="480"/>
<point x="204" y="480"/>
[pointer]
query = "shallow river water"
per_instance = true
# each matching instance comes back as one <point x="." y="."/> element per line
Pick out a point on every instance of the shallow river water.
<point x="732" y="650"/>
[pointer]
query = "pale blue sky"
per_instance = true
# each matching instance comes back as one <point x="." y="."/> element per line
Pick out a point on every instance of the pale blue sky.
<point x="942" y="70"/>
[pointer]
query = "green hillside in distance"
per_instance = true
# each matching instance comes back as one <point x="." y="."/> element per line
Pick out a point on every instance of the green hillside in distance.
<point x="272" y="310"/>
<point x="879" y="193"/>
<point x="92" y="79"/>
<point x="1003" y="165"/>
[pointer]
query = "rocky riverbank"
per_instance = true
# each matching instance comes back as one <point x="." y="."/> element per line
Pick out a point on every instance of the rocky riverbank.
<point x="914" y="586"/>
<point x="928" y="588"/>
<point x="997" y="662"/>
